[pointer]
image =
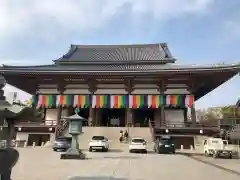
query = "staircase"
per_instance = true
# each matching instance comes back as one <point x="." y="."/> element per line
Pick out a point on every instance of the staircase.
<point x="151" y="128"/>
<point x="112" y="133"/>
<point x="61" y="127"/>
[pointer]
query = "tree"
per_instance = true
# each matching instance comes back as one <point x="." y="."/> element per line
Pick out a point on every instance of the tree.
<point x="208" y="117"/>
<point x="231" y="112"/>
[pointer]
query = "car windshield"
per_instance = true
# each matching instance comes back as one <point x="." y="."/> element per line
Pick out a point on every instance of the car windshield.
<point x="138" y="140"/>
<point x="98" y="138"/>
<point x="166" y="141"/>
<point x="215" y="142"/>
<point x="64" y="139"/>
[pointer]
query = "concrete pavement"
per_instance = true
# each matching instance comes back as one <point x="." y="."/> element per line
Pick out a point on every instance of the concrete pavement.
<point x="42" y="164"/>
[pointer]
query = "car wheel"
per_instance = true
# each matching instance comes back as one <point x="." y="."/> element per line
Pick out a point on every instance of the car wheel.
<point x="104" y="149"/>
<point x="130" y="151"/>
<point x="54" y="149"/>
<point x="145" y="151"/>
<point x="173" y="152"/>
<point x="90" y="149"/>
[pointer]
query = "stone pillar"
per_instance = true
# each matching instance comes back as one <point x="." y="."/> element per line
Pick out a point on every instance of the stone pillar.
<point x="193" y="115"/>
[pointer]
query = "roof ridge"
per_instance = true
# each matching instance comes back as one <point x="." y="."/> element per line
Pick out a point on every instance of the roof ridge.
<point x="115" y="45"/>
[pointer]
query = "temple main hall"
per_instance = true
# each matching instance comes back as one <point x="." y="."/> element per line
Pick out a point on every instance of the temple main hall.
<point x="139" y="85"/>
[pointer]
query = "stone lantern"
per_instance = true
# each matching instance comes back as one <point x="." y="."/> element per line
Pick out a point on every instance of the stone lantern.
<point x="75" y="129"/>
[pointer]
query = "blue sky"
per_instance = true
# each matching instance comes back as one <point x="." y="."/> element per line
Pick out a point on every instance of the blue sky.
<point x="197" y="31"/>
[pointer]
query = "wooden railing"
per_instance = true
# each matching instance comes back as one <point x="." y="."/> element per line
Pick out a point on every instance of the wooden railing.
<point x="37" y="123"/>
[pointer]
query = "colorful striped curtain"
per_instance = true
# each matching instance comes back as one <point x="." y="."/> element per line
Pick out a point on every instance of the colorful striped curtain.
<point x="175" y="100"/>
<point x="189" y="100"/>
<point x="65" y="100"/>
<point x="119" y="101"/>
<point x="46" y="101"/>
<point x="81" y="101"/>
<point x="155" y="101"/>
<point x="138" y="101"/>
<point x="100" y="101"/>
<point x="32" y="101"/>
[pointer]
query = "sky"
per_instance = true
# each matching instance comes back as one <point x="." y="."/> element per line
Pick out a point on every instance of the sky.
<point x="197" y="32"/>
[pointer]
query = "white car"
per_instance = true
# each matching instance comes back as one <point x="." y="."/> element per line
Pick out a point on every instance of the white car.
<point x="138" y="145"/>
<point x="98" y="143"/>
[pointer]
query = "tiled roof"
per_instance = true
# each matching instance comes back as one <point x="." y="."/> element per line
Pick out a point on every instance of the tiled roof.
<point x="121" y="68"/>
<point x="238" y="103"/>
<point x="120" y="53"/>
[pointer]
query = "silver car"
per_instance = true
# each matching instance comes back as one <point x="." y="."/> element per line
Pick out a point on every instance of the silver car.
<point x="62" y="143"/>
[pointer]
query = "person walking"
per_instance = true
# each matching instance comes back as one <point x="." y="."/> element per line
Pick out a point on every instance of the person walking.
<point x="126" y="135"/>
<point x="121" y="136"/>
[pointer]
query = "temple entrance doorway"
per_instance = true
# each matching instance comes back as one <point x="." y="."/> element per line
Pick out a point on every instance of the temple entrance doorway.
<point x="113" y="117"/>
<point x="38" y="139"/>
<point x="84" y="112"/>
<point x="142" y="116"/>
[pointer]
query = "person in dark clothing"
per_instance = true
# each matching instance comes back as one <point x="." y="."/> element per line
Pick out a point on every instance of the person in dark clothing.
<point x="10" y="157"/>
<point x="121" y="136"/>
<point x="126" y="135"/>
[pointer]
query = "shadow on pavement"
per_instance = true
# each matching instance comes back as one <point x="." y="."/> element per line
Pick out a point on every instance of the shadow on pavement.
<point x="114" y="157"/>
<point x="115" y="150"/>
<point x="95" y="178"/>
<point x="198" y="157"/>
<point x="122" y="157"/>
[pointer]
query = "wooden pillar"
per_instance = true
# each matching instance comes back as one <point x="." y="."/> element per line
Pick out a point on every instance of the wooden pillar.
<point x="162" y="108"/>
<point x="10" y="131"/>
<point x="129" y="113"/>
<point x="193" y="115"/>
<point x="91" y="117"/>
<point x="129" y="117"/>
<point x="61" y="89"/>
<point x="92" y="86"/>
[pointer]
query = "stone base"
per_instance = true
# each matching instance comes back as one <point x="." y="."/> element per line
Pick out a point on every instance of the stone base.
<point x="73" y="154"/>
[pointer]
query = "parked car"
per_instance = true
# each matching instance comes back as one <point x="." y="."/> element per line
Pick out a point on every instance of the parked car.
<point x="62" y="143"/>
<point x="138" y="144"/>
<point x="216" y="147"/>
<point x="164" y="145"/>
<point x="98" y="143"/>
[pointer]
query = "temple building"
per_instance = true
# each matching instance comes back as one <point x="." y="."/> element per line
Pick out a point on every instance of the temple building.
<point x="121" y="86"/>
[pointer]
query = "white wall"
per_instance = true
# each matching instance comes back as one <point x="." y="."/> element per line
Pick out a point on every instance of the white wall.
<point x="174" y="117"/>
<point x="22" y="136"/>
<point x="51" y="115"/>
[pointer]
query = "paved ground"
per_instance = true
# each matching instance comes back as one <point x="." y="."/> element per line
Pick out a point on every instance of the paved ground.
<point x="231" y="164"/>
<point x="42" y="164"/>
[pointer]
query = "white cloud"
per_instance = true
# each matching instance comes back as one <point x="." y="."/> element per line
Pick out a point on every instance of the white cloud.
<point x="19" y="17"/>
